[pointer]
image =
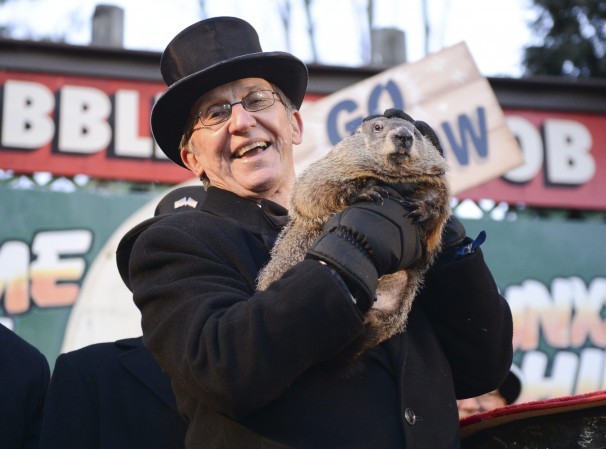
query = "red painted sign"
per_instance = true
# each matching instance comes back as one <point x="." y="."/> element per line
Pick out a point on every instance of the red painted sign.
<point x="565" y="162"/>
<point x="70" y="125"/>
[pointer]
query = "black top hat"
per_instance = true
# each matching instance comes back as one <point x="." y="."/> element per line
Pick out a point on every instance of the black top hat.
<point x="206" y="55"/>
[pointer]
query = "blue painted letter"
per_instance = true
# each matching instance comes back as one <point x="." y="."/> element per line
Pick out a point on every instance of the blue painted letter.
<point x="466" y="132"/>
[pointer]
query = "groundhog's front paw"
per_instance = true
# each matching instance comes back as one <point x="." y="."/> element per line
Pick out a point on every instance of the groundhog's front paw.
<point x="421" y="211"/>
<point x="372" y="192"/>
<point x="424" y="209"/>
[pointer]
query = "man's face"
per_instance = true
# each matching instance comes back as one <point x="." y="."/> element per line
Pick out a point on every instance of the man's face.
<point x="251" y="153"/>
<point x="479" y="404"/>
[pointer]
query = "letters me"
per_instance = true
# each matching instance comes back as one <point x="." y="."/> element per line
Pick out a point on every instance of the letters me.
<point x="48" y="277"/>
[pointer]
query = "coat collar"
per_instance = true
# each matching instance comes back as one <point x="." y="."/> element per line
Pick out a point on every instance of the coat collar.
<point x="263" y="215"/>
<point x="265" y="218"/>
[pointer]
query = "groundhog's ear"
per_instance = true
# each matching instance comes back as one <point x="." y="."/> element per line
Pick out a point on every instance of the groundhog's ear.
<point x="397" y="113"/>
<point x="370" y="117"/>
<point x="428" y="132"/>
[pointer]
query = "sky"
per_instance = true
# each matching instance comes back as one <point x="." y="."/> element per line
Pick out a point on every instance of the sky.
<point x="495" y="30"/>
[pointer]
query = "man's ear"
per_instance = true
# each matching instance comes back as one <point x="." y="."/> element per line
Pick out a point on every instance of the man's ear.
<point x="296" y="122"/>
<point x="192" y="162"/>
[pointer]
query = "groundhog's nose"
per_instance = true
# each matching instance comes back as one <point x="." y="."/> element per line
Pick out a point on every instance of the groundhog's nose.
<point x="403" y="141"/>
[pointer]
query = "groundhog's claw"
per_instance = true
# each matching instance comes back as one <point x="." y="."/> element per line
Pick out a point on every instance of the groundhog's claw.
<point x="420" y="211"/>
<point x="416" y="217"/>
<point x="372" y="193"/>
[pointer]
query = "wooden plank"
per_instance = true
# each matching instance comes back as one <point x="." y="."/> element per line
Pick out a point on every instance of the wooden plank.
<point x="444" y="89"/>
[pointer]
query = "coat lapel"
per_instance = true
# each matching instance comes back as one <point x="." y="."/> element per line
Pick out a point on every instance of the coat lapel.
<point x="140" y="363"/>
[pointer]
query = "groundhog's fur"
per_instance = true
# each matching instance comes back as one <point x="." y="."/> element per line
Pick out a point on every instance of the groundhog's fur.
<point x="382" y="150"/>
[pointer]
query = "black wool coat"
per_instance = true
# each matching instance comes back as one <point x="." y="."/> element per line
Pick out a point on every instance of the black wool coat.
<point x="24" y="376"/>
<point x="241" y="360"/>
<point x="111" y="396"/>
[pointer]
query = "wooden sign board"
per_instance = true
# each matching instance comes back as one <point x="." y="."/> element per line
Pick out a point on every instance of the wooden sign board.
<point x="445" y="90"/>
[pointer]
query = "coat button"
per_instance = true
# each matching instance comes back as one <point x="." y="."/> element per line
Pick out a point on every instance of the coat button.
<point x="410" y="416"/>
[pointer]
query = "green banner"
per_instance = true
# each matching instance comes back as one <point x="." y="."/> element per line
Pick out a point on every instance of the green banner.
<point x="554" y="277"/>
<point x="48" y="242"/>
<point x="60" y="289"/>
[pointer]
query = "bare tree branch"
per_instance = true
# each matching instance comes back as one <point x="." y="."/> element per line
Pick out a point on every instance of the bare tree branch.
<point x="285" y="12"/>
<point x="426" y="26"/>
<point x="311" y="31"/>
<point x="202" y="5"/>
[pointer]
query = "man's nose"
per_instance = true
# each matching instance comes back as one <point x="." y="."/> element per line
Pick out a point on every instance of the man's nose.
<point x="240" y="118"/>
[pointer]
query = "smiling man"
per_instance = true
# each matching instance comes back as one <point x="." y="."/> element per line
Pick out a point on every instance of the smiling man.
<point x="254" y="369"/>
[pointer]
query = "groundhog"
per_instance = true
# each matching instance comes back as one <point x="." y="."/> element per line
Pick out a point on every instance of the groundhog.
<point x="383" y="150"/>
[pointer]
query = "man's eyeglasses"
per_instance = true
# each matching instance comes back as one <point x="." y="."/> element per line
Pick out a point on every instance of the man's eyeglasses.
<point x="219" y="113"/>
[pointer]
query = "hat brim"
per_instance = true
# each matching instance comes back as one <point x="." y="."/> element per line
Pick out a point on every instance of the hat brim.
<point x="511" y="387"/>
<point x="171" y="111"/>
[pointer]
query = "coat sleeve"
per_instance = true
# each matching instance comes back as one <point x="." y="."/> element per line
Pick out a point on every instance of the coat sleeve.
<point x="472" y="321"/>
<point x="39" y="378"/>
<point x="222" y="343"/>
<point x="24" y="377"/>
<point x="70" y="420"/>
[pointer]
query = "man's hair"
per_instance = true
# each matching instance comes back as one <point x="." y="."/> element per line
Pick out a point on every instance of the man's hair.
<point x="187" y="132"/>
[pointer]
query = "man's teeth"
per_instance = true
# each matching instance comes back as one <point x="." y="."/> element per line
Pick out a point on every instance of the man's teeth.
<point x="249" y="147"/>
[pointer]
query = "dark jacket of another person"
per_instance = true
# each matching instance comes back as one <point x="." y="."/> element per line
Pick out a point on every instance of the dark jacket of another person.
<point x="111" y="396"/>
<point x="24" y="376"/>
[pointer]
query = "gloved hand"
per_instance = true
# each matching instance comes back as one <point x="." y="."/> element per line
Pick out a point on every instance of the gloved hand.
<point x="367" y="240"/>
<point x="454" y="234"/>
<point x="423" y="127"/>
<point x="456" y="243"/>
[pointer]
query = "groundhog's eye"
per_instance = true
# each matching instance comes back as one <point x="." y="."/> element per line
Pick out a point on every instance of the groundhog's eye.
<point x="378" y="127"/>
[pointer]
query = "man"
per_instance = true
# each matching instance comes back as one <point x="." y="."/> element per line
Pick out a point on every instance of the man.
<point x="24" y="375"/>
<point x="114" y="395"/>
<point x="256" y="369"/>
<point x="507" y="394"/>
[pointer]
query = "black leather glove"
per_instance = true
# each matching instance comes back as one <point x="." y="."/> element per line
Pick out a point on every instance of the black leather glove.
<point x="423" y="127"/>
<point x="456" y="243"/>
<point x="454" y="234"/>
<point x="366" y="241"/>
